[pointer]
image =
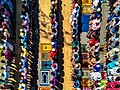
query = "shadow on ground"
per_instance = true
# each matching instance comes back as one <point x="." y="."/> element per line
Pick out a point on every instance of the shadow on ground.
<point x="61" y="44"/>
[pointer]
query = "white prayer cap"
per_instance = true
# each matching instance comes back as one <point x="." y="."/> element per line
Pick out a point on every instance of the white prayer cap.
<point x="97" y="66"/>
<point x="5" y="20"/>
<point x="74" y="18"/>
<point x="53" y="49"/>
<point x="116" y="50"/>
<point x="98" y="9"/>
<point x="1" y="29"/>
<point x="76" y="65"/>
<point x="21" y="30"/>
<point x="78" y="89"/>
<point x="96" y="50"/>
<point x="96" y="44"/>
<point x="5" y="33"/>
<point x="53" y="2"/>
<point x="4" y="40"/>
<point x="21" y="16"/>
<point x="76" y="5"/>
<point x="3" y="15"/>
<point x="52" y="43"/>
<point x="5" y="30"/>
<point x="51" y="36"/>
<point x="1" y="47"/>
<point x="117" y="63"/>
<point x="73" y="35"/>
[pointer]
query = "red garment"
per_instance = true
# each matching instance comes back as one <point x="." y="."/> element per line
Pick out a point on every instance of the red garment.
<point x="74" y="4"/>
<point x="111" y="85"/>
<point x="52" y="22"/>
<point x="53" y="53"/>
<point x="93" y="41"/>
<point x="4" y="26"/>
<point x="54" y="65"/>
<point x="103" y="75"/>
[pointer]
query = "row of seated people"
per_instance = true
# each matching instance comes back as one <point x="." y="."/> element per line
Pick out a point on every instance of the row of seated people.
<point x="24" y="63"/>
<point x="112" y="45"/>
<point x="75" y="59"/>
<point x="54" y="42"/>
<point x="94" y="46"/>
<point x="7" y="42"/>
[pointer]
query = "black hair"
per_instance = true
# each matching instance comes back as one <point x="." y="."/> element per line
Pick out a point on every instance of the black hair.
<point x="118" y="70"/>
<point x="22" y="57"/>
<point x="117" y="20"/>
<point x="76" y="42"/>
<point x="52" y="82"/>
<point x="23" y="6"/>
<point x="52" y="73"/>
<point x="75" y="71"/>
<point x="19" y="37"/>
<point x="2" y="61"/>
<point x="74" y="78"/>
<point x="55" y="58"/>
<point x="24" y="26"/>
<point x="21" y="51"/>
<point x="24" y="2"/>
<point x="117" y="35"/>
<point x="117" y="43"/>
<point x="53" y="87"/>
<point x="21" y="44"/>
<point x="2" y="9"/>
<point x="115" y="56"/>
<point x="97" y="58"/>
<point x="75" y="55"/>
<point x="2" y="68"/>
<point x="21" y="75"/>
<point x="23" y="12"/>
<point x="117" y="27"/>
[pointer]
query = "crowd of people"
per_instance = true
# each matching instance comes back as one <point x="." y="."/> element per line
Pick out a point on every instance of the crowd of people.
<point x="98" y="79"/>
<point x="54" y="42"/>
<point x="7" y="42"/>
<point x="75" y="59"/>
<point x="94" y="46"/>
<point x="25" y="54"/>
<point x="112" y="44"/>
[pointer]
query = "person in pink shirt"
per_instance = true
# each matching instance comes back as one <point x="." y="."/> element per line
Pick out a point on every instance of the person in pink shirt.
<point x="4" y="25"/>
